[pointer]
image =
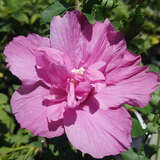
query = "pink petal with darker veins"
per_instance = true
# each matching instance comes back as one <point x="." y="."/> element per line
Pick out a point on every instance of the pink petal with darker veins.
<point x="32" y="115"/>
<point x="105" y="43"/>
<point x="20" y="56"/>
<point x="101" y="133"/>
<point x="66" y="35"/>
<point x="128" y="67"/>
<point x="38" y="41"/>
<point x="83" y="90"/>
<point x="135" y="90"/>
<point x="51" y="70"/>
<point x="55" y="112"/>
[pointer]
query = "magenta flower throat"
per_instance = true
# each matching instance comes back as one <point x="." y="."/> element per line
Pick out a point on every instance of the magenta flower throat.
<point x="76" y="81"/>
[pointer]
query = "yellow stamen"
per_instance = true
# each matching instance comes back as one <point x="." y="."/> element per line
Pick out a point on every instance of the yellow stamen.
<point x="78" y="71"/>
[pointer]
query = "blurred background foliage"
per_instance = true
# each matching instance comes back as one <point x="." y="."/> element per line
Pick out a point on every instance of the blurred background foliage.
<point x="139" y="20"/>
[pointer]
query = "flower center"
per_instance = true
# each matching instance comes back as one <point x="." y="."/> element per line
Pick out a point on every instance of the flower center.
<point x="79" y="71"/>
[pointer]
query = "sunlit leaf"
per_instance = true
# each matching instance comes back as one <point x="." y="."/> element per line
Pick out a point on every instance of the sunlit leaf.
<point x="7" y="120"/>
<point x="3" y="98"/>
<point x="34" y="18"/>
<point x="22" y="18"/>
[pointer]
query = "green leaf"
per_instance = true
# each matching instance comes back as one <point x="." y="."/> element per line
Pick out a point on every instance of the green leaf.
<point x="142" y="157"/>
<point x="145" y="110"/>
<point x="152" y="127"/>
<point x="7" y="120"/>
<point x="131" y="155"/>
<point x="155" y="98"/>
<point x="4" y="157"/>
<point x="151" y="116"/>
<point x="34" y="18"/>
<point x="134" y="24"/>
<point x="7" y="108"/>
<point x="98" y="12"/>
<point x="90" y="18"/>
<point x="137" y="129"/>
<point x="3" y="98"/>
<point x="53" y="10"/>
<point x="15" y="87"/>
<point x="4" y="150"/>
<point x="5" y="27"/>
<point x="121" y="11"/>
<point x="154" y="68"/>
<point x="20" y="139"/>
<point x="23" y="18"/>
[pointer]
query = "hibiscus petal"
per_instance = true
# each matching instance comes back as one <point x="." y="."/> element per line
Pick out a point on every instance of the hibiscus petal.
<point x="52" y="54"/>
<point x="105" y="43"/>
<point x="136" y="90"/>
<point x="51" y="70"/>
<point x="55" y="98"/>
<point x="93" y="72"/>
<point x="82" y="88"/>
<point x="38" y="41"/>
<point x="95" y="75"/>
<point x="114" y="54"/>
<point x="82" y="91"/>
<point x="55" y="112"/>
<point x="71" y="97"/>
<point x="98" y="42"/>
<point x="128" y="67"/>
<point x="31" y="114"/>
<point x="66" y="33"/>
<point x="100" y="134"/>
<point x="20" y="56"/>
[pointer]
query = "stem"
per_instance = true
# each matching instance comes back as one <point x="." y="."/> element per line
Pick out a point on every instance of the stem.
<point x="19" y="148"/>
<point x="78" y="4"/>
<point x="140" y="119"/>
<point x="29" y="153"/>
<point x="158" y="144"/>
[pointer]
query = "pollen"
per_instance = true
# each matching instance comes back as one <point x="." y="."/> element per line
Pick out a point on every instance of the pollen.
<point x="78" y="71"/>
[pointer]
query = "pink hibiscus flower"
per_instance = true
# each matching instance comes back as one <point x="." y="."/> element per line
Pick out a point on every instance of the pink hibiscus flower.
<point x="76" y="82"/>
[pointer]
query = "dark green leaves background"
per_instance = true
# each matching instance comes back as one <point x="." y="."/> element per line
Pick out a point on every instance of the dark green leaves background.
<point x="139" y="20"/>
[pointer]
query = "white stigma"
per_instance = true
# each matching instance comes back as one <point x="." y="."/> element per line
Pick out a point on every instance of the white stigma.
<point x="78" y="71"/>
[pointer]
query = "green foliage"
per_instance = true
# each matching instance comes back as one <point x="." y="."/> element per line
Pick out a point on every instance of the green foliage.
<point x="20" y="17"/>
<point x="137" y="129"/>
<point x="53" y="10"/>
<point x="139" y="22"/>
<point x="3" y="99"/>
<point x="131" y="155"/>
